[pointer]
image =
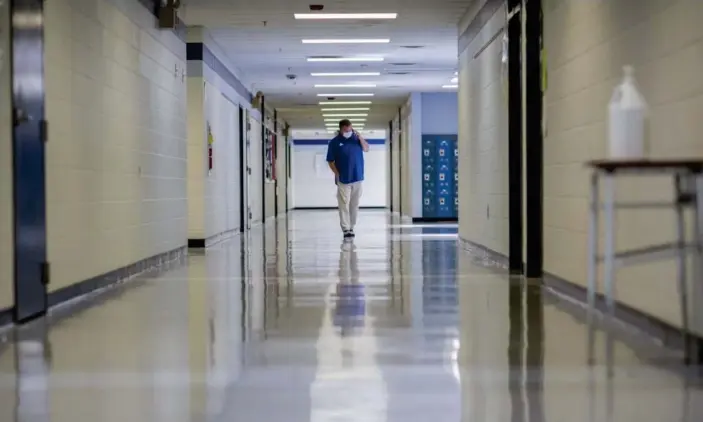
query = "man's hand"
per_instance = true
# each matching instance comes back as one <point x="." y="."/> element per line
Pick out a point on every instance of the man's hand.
<point x="362" y="141"/>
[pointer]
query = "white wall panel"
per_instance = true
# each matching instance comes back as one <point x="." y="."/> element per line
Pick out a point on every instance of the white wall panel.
<point x="313" y="189"/>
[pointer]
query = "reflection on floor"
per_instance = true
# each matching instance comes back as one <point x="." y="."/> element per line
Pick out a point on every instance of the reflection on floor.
<point x="396" y="325"/>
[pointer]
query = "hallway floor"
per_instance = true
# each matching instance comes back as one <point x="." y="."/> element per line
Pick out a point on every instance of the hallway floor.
<point x="396" y="325"/>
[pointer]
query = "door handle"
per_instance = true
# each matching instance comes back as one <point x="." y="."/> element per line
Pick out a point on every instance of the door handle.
<point x="20" y="116"/>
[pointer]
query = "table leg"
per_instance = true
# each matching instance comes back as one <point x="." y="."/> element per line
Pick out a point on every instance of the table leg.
<point x="682" y="273"/>
<point x="593" y="242"/>
<point x="697" y="286"/>
<point x="609" y="247"/>
<point x="592" y="264"/>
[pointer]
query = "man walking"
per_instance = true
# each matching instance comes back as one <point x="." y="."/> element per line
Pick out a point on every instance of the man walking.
<point x="345" y="156"/>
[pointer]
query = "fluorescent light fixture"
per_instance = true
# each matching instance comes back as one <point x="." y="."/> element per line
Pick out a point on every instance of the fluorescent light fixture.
<point x="346" y="115"/>
<point x="454" y="80"/>
<point x="345" y="85"/>
<point x="351" y="120"/>
<point x="345" y="59"/>
<point x="346" y="109"/>
<point x="363" y="94"/>
<point x="347" y="94"/>
<point x="348" y="41"/>
<point x="456" y="73"/>
<point x="347" y="74"/>
<point x="450" y="86"/>
<point x="316" y="16"/>
<point x="329" y="103"/>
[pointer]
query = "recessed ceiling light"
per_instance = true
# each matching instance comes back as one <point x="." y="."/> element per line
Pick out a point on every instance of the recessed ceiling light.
<point x="348" y="94"/>
<point x="456" y="73"/>
<point x="454" y="80"/>
<point x="348" y="41"/>
<point x="346" y="109"/>
<point x="345" y="85"/>
<point x="344" y="102"/>
<point x="345" y="59"/>
<point x="347" y="74"/>
<point x="450" y="86"/>
<point x="345" y="15"/>
<point x="346" y="115"/>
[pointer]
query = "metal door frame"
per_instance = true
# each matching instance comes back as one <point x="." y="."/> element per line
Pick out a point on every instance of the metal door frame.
<point x="29" y="131"/>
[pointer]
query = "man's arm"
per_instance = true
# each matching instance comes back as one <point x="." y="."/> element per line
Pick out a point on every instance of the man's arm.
<point x="334" y="169"/>
<point x="362" y="141"/>
<point x="331" y="159"/>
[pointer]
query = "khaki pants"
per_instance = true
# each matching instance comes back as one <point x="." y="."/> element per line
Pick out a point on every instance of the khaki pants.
<point x="348" y="202"/>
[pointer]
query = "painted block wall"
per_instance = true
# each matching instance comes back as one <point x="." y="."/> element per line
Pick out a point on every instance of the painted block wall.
<point x="411" y="127"/>
<point x="431" y="113"/>
<point x="222" y="191"/>
<point x="6" y="225"/>
<point x="398" y="138"/>
<point x="440" y="113"/>
<point x="587" y="44"/>
<point x="310" y="190"/>
<point x="269" y="186"/>
<point x="197" y="164"/>
<point x="483" y="131"/>
<point x="214" y="196"/>
<point x="281" y="172"/>
<point x="116" y="160"/>
<point x="438" y="159"/>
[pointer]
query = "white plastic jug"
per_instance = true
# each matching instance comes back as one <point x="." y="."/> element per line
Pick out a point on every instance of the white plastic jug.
<point x="627" y="120"/>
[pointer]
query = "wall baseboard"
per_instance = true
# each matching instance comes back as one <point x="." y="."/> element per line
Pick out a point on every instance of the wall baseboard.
<point x="5" y="317"/>
<point x="572" y="298"/>
<point x="93" y="285"/>
<point x="435" y="219"/>
<point x="332" y="208"/>
<point x="118" y="276"/>
<point x="199" y="243"/>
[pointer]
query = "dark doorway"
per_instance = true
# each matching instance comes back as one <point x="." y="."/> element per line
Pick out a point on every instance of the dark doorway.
<point x="29" y="137"/>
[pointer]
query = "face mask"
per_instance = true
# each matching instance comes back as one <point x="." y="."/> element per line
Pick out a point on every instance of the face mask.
<point x="347" y="134"/>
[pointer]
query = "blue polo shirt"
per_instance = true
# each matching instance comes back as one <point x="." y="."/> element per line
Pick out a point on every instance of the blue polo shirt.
<point x="348" y="157"/>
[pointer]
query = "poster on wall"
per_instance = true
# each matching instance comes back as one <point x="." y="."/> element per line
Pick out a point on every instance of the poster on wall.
<point x="270" y="157"/>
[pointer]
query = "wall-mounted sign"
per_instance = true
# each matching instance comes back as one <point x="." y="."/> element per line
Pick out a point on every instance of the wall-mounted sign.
<point x="210" y="142"/>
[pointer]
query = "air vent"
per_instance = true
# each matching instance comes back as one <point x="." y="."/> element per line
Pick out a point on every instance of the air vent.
<point x="412" y="46"/>
<point x="403" y="64"/>
<point x="325" y="57"/>
<point x="398" y="73"/>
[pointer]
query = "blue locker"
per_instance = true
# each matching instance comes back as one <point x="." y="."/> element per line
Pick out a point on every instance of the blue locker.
<point x="439" y="178"/>
<point x="429" y="182"/>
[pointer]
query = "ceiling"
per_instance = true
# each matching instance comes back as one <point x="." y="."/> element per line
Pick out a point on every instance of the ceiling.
<point x="265" y="42"/>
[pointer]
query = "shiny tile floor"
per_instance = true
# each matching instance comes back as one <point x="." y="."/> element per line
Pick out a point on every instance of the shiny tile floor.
<point x="397" y="325"/>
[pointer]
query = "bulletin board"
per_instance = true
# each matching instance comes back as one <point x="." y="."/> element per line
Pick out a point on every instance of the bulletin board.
<point x="270" y="156"/>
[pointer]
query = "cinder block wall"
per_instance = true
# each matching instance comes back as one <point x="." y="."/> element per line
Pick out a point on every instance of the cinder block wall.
<point x="116" y="158"/>
<point x="483" y="140"/>
<point x="587" y="44"/>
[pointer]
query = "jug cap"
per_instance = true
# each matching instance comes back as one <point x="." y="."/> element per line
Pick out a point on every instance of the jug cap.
<point x="629" y="72"/>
